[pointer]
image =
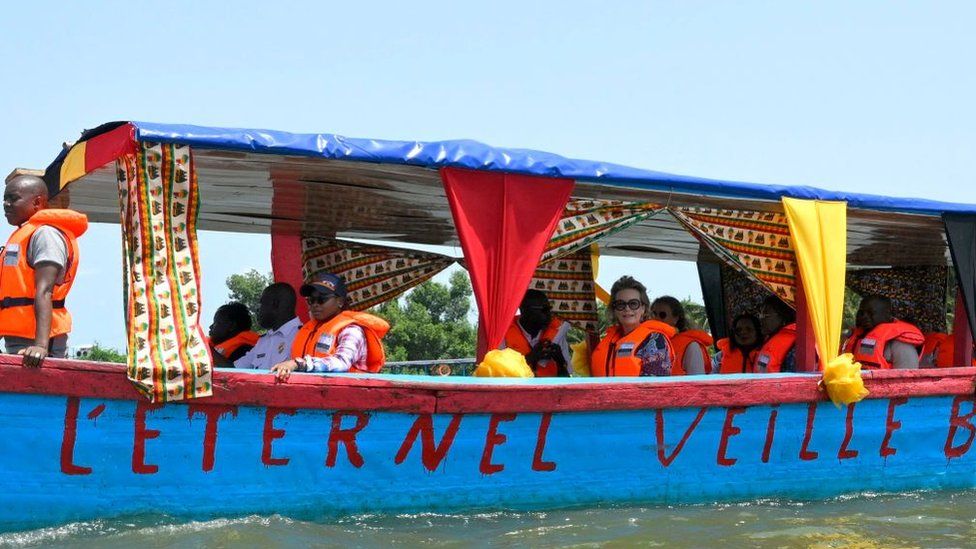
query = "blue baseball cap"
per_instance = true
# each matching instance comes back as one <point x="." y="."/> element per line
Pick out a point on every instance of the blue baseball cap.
<point x="326" y="284"/>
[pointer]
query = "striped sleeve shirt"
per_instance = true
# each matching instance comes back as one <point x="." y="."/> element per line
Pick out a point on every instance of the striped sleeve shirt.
<point x="350" y="352"/>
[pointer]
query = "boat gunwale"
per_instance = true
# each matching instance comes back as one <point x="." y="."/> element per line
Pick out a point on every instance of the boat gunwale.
<point x="74" y="378"/>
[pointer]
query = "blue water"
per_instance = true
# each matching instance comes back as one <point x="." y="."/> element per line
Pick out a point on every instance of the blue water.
<point x="932" y="519"/>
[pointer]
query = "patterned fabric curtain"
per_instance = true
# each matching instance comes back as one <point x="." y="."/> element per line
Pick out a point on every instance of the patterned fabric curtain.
<point x="565" y="271"/>
<point x="568" y="282"/>
<point x="918" y="294"/>
<point x="586" y="221"/>
<point x="168" y="356"/>
<point x="742" y="294"/>
<point x="757" y="243"/>
<point x="373" y="274"/>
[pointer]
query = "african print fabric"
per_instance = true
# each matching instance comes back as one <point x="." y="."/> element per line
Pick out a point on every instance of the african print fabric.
<point x="168" y="356"/>
<point x="742" y="294"/>
<point x="758" y="243"/>
<point x="568" y="282"/>
<point x="565" y="271"/>
<point x="373" y="274"/>
<point x="918" y="294"/>
<point x="586" y="221"/>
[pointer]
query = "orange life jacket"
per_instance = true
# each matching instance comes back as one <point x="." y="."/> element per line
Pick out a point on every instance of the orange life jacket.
<point x="733" y="361"/>
<point x="616" y="354"/>
<point x="869" y="349"/>
<point x="937" y="349"/>
<point x="515" y="339"/>
<point x="320" y="338"/>
<point x="681" y="341"/>
<point x="943" y="347"/>
<point x="774" y="351"/>
<point x="17" y="277"/>
<point x="227" y="347"/>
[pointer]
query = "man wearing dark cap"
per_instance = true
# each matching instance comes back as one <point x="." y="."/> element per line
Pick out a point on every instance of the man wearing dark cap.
<point x="334" y="339"/>
<point x="37" y="268"/>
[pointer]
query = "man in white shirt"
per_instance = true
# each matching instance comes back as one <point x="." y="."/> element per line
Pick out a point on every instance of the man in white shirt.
<point x="276" y="314"/>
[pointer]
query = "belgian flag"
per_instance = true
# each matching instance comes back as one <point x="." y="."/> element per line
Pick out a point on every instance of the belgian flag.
<point x="94" y="149"/>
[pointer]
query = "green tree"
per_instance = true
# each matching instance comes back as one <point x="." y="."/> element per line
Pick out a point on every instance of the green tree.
<point x="695" y="313"/>
<point x="851" y="302"/>
<point x="431" y="322"/>
<point x="98" y="353"/>
<point x="247" y="288"/>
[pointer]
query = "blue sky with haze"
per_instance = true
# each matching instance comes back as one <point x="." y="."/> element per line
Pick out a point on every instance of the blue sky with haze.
<point x="863" y="96"/>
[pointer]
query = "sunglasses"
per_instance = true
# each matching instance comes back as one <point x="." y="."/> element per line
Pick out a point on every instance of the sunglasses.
<point x="633" y="305"/>
<point x="660" y="314"/>
<point x="317" y="299"/>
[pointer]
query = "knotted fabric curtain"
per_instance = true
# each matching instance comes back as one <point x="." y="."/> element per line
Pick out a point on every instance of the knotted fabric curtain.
<point x="819" y="230"/>
<point x="168" y="355"/>
<point x="504" y="222"/>
<point x="373" y="274"/>
<point x="568" y="283"/>
<point x="756" y="243"/>
<point x="568" y="268"/>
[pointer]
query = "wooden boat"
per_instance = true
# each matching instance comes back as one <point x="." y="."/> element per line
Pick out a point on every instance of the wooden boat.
<point x="85" y="442"/>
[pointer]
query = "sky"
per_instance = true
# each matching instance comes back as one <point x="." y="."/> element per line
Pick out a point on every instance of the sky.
<point x="867" y="96"/>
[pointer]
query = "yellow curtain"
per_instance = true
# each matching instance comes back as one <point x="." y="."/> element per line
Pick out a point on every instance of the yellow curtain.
<point x="819" y="233"/>
<point x="601" y="294"/>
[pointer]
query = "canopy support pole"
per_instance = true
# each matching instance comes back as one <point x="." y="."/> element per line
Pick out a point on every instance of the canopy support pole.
<point x="806" y="349"/>
<point x="286" y="265"/>
<point x="962" y="334"/>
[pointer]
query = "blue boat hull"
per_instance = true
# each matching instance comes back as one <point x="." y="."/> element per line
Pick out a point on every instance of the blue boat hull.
<point x="71" y="458"/>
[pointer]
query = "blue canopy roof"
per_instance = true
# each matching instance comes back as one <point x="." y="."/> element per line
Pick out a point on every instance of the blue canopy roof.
<point x="475" y="155"/>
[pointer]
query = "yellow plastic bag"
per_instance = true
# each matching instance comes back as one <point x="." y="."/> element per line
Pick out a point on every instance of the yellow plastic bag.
<point x="581" y="359"/>
<point x="842" y="379"/>
<point x="503" y="363"/>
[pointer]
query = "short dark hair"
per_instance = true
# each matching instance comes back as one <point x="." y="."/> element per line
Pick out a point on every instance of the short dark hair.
<point x="881" y="304"/>
<point x="237" y="313"/>
<point x="284" y="293"/>
<point x="677" y="310"/>
<point x="782" y="309"/>
<point x="756" y="325"/>
<point x="533" y="295"/>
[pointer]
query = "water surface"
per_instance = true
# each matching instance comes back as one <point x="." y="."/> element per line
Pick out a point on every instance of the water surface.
<point x="931" y="519"/>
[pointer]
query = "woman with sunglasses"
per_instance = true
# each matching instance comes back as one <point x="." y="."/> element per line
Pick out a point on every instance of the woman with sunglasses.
<point x="690" y="345"/>
<point x="737" y="354"/>
<point x="635" y="345"/>
<point x="334" y="340"/>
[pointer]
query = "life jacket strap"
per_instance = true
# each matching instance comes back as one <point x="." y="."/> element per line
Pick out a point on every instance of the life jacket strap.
<point x="9" y="302"/>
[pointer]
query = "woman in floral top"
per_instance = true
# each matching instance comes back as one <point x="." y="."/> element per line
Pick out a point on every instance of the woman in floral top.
<point x="635" y="345"/>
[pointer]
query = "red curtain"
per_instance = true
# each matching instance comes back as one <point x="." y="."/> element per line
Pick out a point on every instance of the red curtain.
<point x="504" y="222"/>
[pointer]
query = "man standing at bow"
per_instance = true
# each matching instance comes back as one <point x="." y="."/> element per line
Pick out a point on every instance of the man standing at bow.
<point x="37" y="267"/>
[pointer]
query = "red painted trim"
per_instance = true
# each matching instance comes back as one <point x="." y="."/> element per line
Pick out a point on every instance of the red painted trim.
<point x="349" y="392"/>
